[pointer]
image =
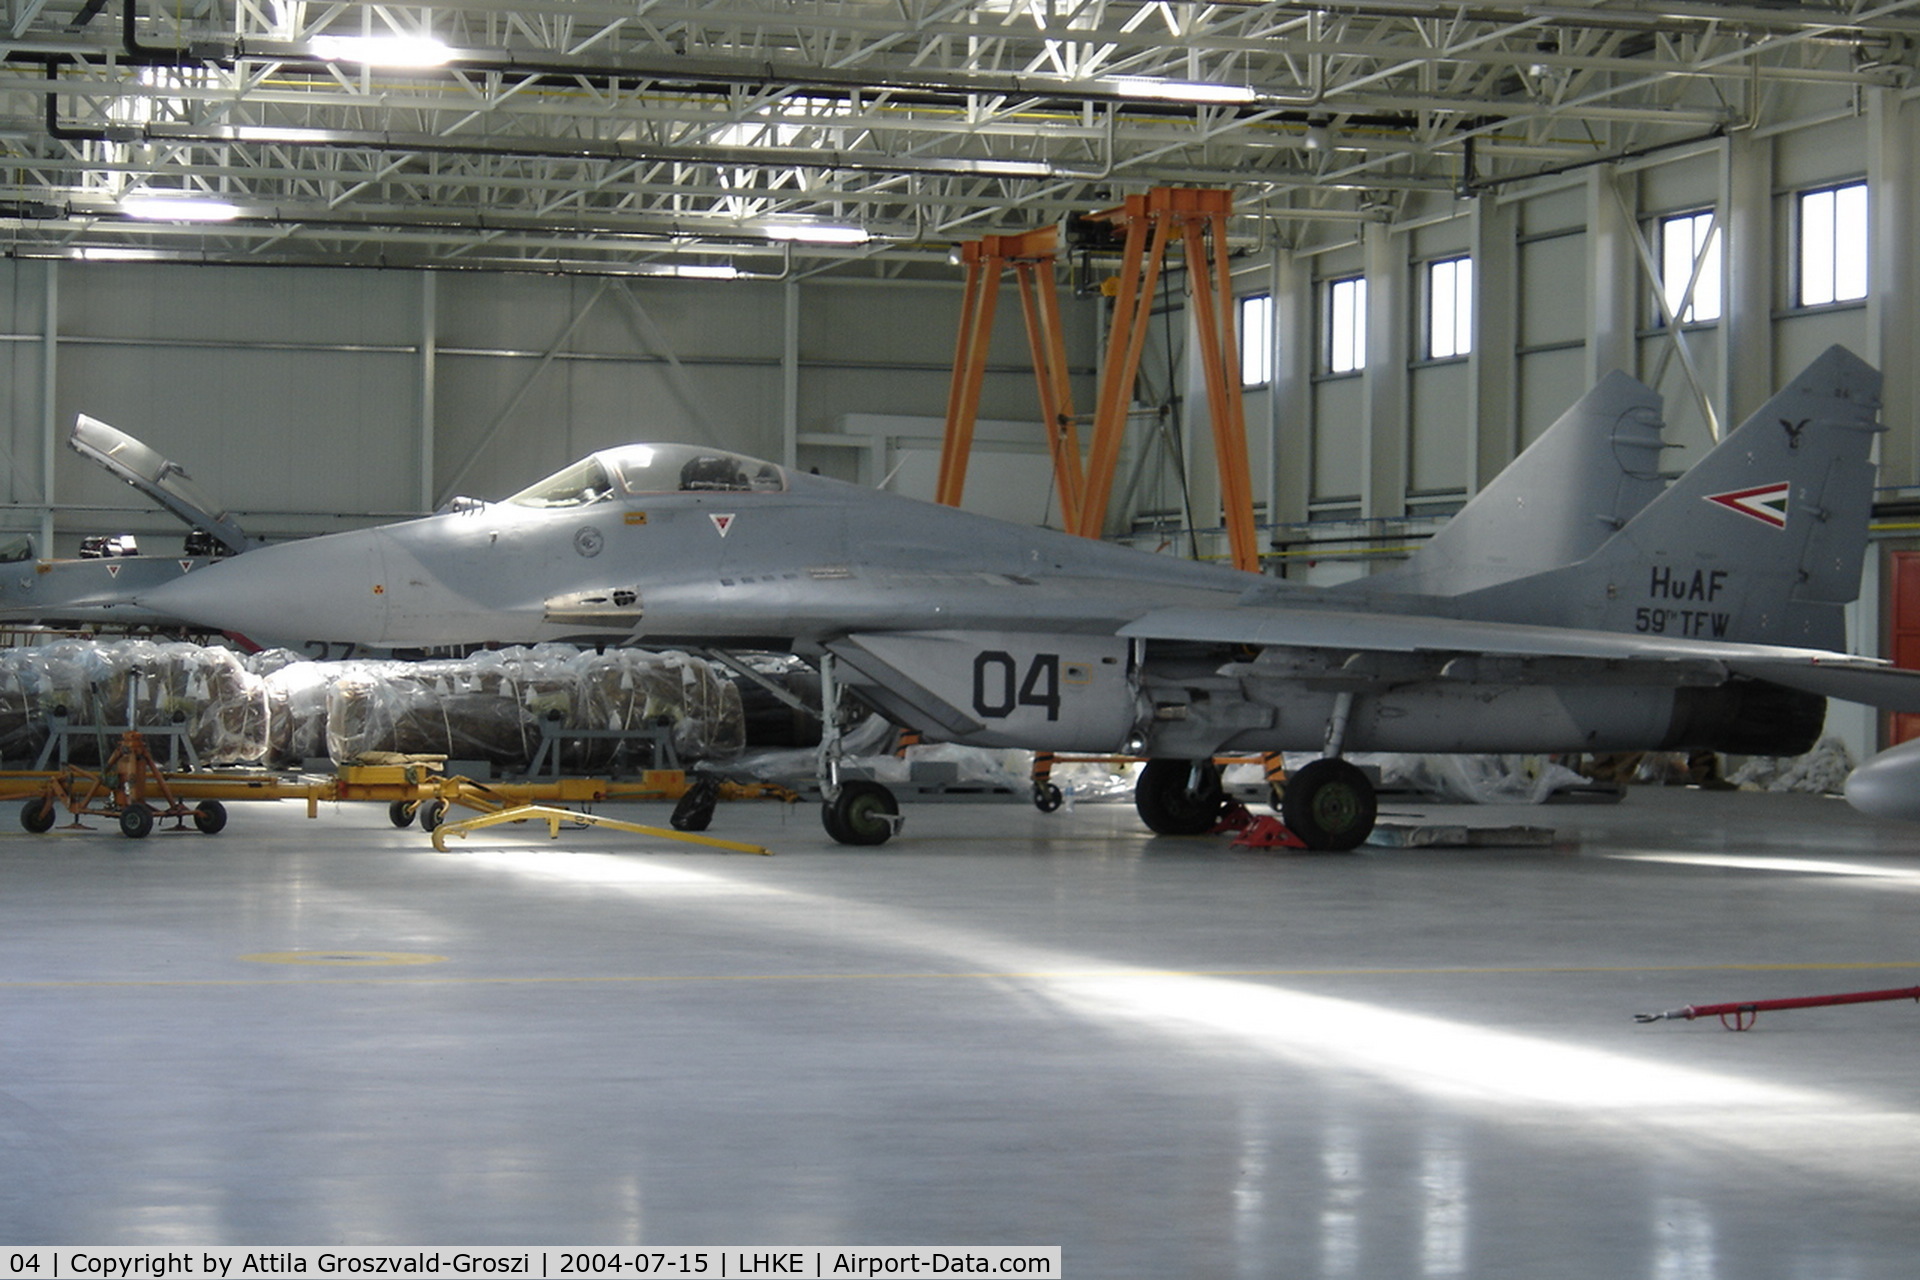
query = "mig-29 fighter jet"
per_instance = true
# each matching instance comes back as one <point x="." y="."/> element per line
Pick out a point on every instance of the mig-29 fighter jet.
<point x="1703" y="617"/>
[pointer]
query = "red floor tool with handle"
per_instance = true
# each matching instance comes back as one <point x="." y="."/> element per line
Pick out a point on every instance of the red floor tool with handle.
<point x="1740" y="1016"/>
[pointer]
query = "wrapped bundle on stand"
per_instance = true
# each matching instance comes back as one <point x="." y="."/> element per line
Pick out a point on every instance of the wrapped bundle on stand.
<point x="207" y="693"/>
<point x="296" y="705"/>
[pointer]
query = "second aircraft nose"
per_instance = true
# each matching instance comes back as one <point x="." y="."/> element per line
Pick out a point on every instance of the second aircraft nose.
<point x="323" y="589"/>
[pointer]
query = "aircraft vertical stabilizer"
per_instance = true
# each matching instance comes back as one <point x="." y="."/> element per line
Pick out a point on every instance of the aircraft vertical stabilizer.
<point x="1593" y="470"/>
<point x="1760" y="541"/>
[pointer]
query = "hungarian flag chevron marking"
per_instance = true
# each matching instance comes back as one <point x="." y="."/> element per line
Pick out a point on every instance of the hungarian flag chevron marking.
<point x="1767" y="504"/>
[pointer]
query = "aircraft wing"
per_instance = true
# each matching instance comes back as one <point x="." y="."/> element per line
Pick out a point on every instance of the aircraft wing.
<point x="1358" y="634"/>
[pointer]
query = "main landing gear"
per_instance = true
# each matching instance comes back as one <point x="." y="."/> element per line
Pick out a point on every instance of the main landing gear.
<point x="1330" y="804"/>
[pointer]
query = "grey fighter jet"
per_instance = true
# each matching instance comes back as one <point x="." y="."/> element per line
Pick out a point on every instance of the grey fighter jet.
<point x="1705" y="616"/>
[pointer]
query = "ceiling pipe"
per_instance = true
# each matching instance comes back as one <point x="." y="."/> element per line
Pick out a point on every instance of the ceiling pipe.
<point x="719" y="74"/>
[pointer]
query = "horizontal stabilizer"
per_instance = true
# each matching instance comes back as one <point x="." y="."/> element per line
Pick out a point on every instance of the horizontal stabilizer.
<point x="1850" y="680"/>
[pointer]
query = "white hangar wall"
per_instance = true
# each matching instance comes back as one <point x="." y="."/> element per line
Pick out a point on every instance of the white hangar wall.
<point x="309" y="400"/>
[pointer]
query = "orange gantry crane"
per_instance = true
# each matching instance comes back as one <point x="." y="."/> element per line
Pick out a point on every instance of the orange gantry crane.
<point x="1151" y="222"/>
<point x="1031" y="255"/>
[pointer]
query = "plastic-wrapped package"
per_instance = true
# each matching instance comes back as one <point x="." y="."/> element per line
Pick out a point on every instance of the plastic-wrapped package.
<point x="629" y="689"/>
<point x="463" y="710"/>
<point x="24" y="701"/>
<point x="490" y="706"/>
<point x="222" y="704"/>
<point x="207" y="690"/>
<point x="712" y="723"/>
<point x="279" y="709"/>
<point x="864" y="745"/>
<point x="296" y="692"/>
<point x="621" y="690"/>
<point x="1478" y="779"/>
<point x="1821" y="771"/>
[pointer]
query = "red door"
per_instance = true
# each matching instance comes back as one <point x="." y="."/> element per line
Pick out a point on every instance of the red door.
<point x="1904" y="607"/>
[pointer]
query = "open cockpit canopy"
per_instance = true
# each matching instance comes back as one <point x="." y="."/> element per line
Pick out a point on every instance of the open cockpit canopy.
<point x="652" y="468"/>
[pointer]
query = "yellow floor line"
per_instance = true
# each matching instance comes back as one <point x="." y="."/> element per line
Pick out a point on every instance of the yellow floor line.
<point x="355" y="973"/>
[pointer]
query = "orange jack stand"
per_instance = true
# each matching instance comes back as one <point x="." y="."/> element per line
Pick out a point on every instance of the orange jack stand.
<point x="125" y="788"/>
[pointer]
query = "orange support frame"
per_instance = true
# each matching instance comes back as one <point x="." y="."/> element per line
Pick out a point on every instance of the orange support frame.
<point x="1031" y="255"/>
<point x="1151" y="222"/>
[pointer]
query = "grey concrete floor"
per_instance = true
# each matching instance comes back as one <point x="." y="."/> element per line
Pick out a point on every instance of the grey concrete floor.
<point x="1170" y="1057"/>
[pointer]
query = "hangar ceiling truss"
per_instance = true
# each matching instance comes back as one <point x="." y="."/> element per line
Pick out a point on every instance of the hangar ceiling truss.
<point x="768" y="137"/>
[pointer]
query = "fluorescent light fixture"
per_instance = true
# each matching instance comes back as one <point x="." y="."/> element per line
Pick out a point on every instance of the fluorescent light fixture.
<point x="816" y="233"/>
<point x="1003" y="168"/>
<point x="702" y="271"/>
<point x="1181" y="90"/>
<point x="384" y="51"/>
<point x="107" y="253"/>
<point x="155" y="207"/>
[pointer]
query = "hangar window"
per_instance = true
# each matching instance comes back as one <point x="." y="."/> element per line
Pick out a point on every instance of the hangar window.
<point x="1256" y="340"/>
<point x="1346" y="325"/>
<point x="1449" y="308"/>
<point x="1833" y="245"/>
<point x="1690" y="267"/>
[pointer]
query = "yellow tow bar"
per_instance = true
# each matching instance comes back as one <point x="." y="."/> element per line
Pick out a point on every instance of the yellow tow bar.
<point x="554" y="817"/>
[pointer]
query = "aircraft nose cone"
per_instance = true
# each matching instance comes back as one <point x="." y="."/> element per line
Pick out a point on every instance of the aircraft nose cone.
<point x="1888" y="786"/>
<point x="319" y="589"/>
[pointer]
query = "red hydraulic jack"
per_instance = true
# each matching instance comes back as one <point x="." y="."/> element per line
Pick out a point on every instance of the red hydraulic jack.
<point x="1741" y="1016"/>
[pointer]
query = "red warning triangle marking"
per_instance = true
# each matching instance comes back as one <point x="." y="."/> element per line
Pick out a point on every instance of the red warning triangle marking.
<point x="721" y="522"/>
<point x="113" y="571"/>
<point x="1767" y="504"/>
<point x="186" y="566"/>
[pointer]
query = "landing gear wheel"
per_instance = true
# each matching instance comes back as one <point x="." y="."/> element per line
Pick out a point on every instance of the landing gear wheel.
<point x="37" y="815"/>
<point x="863" y="813"/>
<point x="210" y="816"/>
<point x="695" y="810"/>
<point x="1176" y="798"/>
<point x="1330" y="805"/>
<point x="1047" y="798"/>
<point x="400" y="812"/>
<point x="432" y="814"/>
<point x="136" y="821"/>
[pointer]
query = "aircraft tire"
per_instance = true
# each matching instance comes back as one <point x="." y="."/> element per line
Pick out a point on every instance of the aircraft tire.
<point x="1331" y="805"/>
<point x="432" y="813"/>
<point x="1168" y="807"/>
<point x="862" y="814"/>
<point x="37" y="815"/>
<point x="210" y="817"/>
<point x="136" y="821"/>
<point x="400" y="812"/>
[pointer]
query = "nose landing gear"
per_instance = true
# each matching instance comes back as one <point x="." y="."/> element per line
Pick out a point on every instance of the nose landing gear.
<point x="856" y="811"/>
